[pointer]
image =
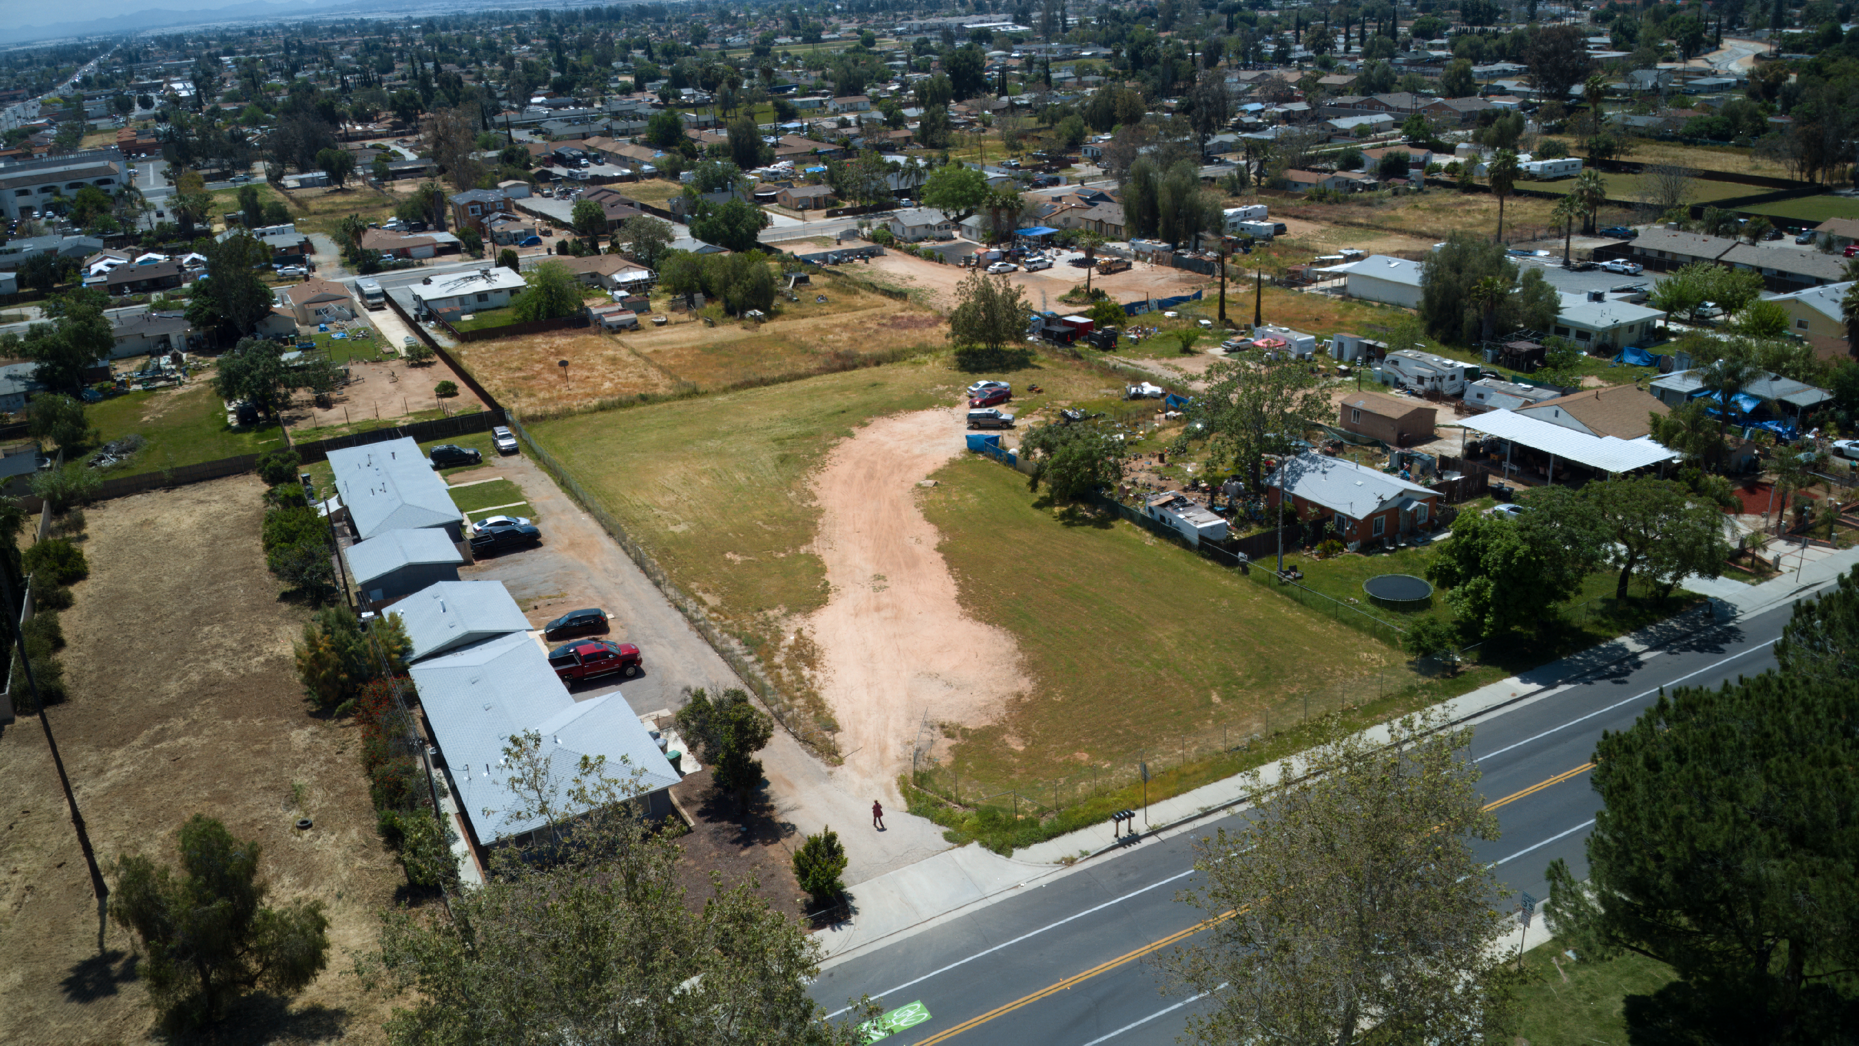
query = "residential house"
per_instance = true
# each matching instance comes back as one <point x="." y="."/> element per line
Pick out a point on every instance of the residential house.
<point x="919" y="223"/>
<point x="1363" y="123"/>
<point x="392" y="486"/>
<point x="1105" y="219"/>
<point x="1493" y="394"/>
<point x="1663" y="249"/>
<point x="471" y="209"/>
<point x="468" y="291"/>
<point x="610" y="272"/>
<point x="389" y="567"/>
<point x="19" y="382"/>
<point x="475" y="699"/>
<point x="1607" y="324"/>
<point x="395" y="244"/>
<point x="1455" y="112"/>
<point x="805" y="197"/>
<point x="318" y="301"/>
<point x="1788" y="397"/>
<point x="447" y="614"/>
<point x="1786" y="270"/>
<point x="27" y="188"/>
<point x="1398" y="422"/>
<point x="1844" y="232"/>
<point x="144" y="279"/>
<point x="288" y="246"/>
<point x="1620" y="411"/>
<point x="616" y="207"/>
<point x="1816" y="312"/>
<point x="506" y="230"/>
<point x="70" y="248"/>
<point x="1367" y="505"/>
<point x="855" y="103"/>
<point x="1305" y="181"/>
<point x="149" y="332"/>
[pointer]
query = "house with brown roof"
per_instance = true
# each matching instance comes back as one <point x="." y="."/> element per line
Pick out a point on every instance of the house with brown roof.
<point x="1105" y="219"/>
<point x="1844" y="232"/>
<point x="805" y="197"/>
<point x="1620" y="411"/>
<point x="618" y="208"/>
<point x="397" y="244"/>
<point x="1304" y="181"/>
<point x="144" y="279"/>
<point x="1392" y="420"/>
<point x="317" y="301"/>
<point x="611" y="272"/>
<point x="1663" y="249"/>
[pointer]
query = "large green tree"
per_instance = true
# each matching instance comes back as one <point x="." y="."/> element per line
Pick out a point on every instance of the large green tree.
<point x="551" y="291"/>
<point x="733" y="225"/>
<point x="1072" y="460"/>
<point x="597" y="945"/>
<point x="1450" y="303"/>
<point x="956" y="190"/>
<point x="1657" y="527"/>
<point x="232" y="299"/>
<point x="1728" y="849"/>
<point x="647" y="239"/>
<point x="1250" y="410"/>
<point x="1350" y="898"/>
<point x="727" y="732"/>
<point x="254" y="372"/>
<point x="990" y="312"/>
<point x="1507" y="575"/>
<point x="207" y="934"/>
<point x="70" y="344"/>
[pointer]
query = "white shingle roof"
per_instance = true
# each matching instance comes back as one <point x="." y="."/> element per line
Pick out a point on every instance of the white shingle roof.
<point x="391" y="486"/>
<point x="479" y="697"/>
<point x="453" y="614"/>
<point x="385" y="553"/>
<point x="1342" y="486"/>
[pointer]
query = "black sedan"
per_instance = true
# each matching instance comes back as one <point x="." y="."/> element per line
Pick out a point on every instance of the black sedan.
<point x="591" y="621"/>
<point x="499" y="538"/>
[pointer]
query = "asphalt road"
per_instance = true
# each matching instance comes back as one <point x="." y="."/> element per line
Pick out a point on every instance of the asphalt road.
<point x="1064" y="964"/>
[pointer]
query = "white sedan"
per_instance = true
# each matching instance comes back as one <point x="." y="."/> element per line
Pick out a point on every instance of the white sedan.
<point x="491" y="521"/>
<point x="1625" y="268"/>
<point x="1505" y="511"/>
<point x="980" y="387"/>
<point x="1001" y="268"/>
<point x="1846" y="448"/>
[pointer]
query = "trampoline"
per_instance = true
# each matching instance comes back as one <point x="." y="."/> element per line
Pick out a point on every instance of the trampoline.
<point x="1399" y="591"/>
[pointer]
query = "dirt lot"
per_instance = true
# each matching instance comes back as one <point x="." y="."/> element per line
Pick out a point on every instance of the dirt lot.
<point x="897" y="648"/>
<point x="386" y="390"/>
<point x="938" y="281"/>
<point x="183" y="701"/>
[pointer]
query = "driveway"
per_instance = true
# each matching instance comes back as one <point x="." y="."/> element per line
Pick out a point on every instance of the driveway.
<point x="578" y="565"/>
<point x="326" y="257"/>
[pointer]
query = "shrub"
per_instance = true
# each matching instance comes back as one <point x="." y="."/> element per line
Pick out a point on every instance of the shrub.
<point x="57" y="560"/>
<point x="288" y="495"/>
<point x="819" y="863"/>
<point x="66" y="487"/>
<point x="1430" y="636"/>
<point x="51" y="597"/>
<point x="47" y="627"/>
<point x="445" y="389"/>
<point x="279" y="466"/>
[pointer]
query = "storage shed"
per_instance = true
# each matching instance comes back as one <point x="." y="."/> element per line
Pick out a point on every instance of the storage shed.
<point x="1390" y="419"/>
<point x="391" y="566"/>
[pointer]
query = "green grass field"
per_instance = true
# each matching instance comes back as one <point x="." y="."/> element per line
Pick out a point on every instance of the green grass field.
<point x="484" y="497"/>
<point x="184" y="426"/>
<point x="1810" y="210"/>
<point x="1588" y="1005"/>
<point x="1128" y="638"/>
<point x="1626" y="188"/>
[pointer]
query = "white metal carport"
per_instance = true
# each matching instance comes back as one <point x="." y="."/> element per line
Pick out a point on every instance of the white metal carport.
<point x="1603" y="453"/>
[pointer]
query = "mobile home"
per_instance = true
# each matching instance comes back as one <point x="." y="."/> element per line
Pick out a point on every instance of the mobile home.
<point x="1252" y="213"/>
<point x="1192" y="521"/>
<point x="1549" y="170"/>
<point x="1429" y="373"/>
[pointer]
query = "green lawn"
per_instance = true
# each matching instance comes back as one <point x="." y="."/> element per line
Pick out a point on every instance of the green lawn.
<point x="1626" y="188"/>
<point x="1587" y="1006"/>
<point x="184" y="426"/>
<point x="1810" y="210"/>
<point x="344" y="349"/>
<point x="480" y="496"/>
<point x="486" y="318"/>
<point x="1129" y="639"/>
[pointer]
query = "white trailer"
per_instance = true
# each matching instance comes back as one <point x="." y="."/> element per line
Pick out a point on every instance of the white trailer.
<point x="1549" y="170"/>
<point x="1297" y="345"/>
<point x="1257" y="230"/>
<point x="1192" y="521"/>
<point x="1250" y="213"/>
<point x="1429" y="373"/>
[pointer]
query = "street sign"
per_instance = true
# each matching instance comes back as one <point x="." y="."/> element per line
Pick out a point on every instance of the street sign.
<point x="1526" y="910"/>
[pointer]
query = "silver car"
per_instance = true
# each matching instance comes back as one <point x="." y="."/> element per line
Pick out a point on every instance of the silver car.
<point x="503" y="439"/>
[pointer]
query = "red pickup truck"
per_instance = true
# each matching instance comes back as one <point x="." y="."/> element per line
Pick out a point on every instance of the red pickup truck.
<point x="587" y="658"/>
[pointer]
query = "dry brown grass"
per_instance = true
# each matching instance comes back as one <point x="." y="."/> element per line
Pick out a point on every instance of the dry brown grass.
<point x="1701" y="157"/>
<point x="807" y="337"/>
<point x="652" y="190"/>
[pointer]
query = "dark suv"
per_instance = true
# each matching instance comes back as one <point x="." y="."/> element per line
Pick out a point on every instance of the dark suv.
<point x="451" y="455"/>
<point x="504" y="536"/>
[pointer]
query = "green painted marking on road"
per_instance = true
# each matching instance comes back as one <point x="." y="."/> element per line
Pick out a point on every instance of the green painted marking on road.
<point x="897" y="1020"/>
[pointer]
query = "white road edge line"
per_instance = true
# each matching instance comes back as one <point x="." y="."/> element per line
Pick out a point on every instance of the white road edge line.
<point x="1628" y="701"/>
<point x="1589" y="823"/>
<point x="1022" y="937"/>
<point x="1153" y="1016"/>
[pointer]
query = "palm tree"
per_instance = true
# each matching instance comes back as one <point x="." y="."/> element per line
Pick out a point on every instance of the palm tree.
<point x="1591" y="190"/>
<point x="1003" y="207"/>
<point x="1725" y="380"/>
<point x="1488" y="294"/>
<point x="1501" y="177"/>
<point x="1567" y="210"/>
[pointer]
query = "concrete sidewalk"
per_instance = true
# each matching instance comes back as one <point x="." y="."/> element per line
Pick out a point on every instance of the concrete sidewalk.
<point x="955" y="881"/>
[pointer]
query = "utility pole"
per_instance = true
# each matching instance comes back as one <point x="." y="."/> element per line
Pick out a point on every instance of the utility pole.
<point x="1223" y="260"/>
<point x="1258" y="301"/>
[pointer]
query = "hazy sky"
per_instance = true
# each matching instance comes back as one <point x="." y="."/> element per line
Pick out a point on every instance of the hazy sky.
<point x="36" y="12"/>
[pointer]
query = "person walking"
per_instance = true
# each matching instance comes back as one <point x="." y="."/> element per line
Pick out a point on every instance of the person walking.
<point x="877" y="815"/>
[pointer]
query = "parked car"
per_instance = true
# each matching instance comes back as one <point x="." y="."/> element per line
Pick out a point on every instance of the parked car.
<point x="1624" y="268"/>
<point x="503" y="439"/>
<point x="493" y="522"/>
<point x="980" y="387"/>
<point x="1846" y="448"/>
<point x="591" y="621"/>
<point x="1807" y="236"/>
<point x="530" y="241"/>
<point x="1037" y="264"/>
<point x="293" y="270"/>
<point x="1708" y="311"/>
<point x="1581" y="266"/>
<point x="1002" y="268"/>
<point x="1619" y="232"/>
<point x="1851" y="249"/>
<point x="1505" y="511"/>
<point x="989" y="397"/>
<point x="989" y="419"/>
<point x="1772" y="234"/>
<point x="451" y="455"/>
<point x="594" y="657"/>
<point x="499" y="538"/>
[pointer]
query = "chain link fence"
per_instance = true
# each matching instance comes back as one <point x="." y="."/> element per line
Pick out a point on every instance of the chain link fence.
<point x="798" y="721"/>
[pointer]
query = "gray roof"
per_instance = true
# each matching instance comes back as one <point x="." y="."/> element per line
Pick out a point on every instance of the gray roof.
<point x="391" y="486"/>
<point x="479" y="697"/>
<point x="449" y="615"/>
<point x="1382" y="267"/>
<point x="1342" y="486"/>
<point x="914" y="216"/>
<point x="385" y="553"/>
<point x="20" y="378"/>
<point x="1827" y="268"/>
<point x="1770" y="387"/>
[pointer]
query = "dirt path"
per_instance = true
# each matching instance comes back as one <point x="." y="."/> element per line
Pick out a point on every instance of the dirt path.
<point x="897" y="646"/>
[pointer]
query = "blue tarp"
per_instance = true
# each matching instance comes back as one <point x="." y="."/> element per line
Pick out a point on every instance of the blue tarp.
<point x="1172" y="401"/>
<point x="1037" y="230"/>
<point x="1638" y="357"/>
<point x="1745" y="403"/>
<point x="982" y="440"/>
<point x="1137" y="308"/>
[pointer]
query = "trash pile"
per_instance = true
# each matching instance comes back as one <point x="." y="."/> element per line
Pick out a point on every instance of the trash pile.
<point x="116" y="451"/>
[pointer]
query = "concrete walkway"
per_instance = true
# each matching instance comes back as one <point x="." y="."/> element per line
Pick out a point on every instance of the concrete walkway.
<point x="907" y="899"/>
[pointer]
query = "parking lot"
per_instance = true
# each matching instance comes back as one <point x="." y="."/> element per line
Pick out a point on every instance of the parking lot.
<point x="1582" y="282"/>
<point x="578" y="565"/>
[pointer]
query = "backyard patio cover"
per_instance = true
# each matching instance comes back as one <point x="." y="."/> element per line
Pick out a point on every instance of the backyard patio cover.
<point x="1605" y="453"/>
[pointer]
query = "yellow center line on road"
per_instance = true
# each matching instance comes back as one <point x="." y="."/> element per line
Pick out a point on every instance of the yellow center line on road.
<point x="1180" y="935"/>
